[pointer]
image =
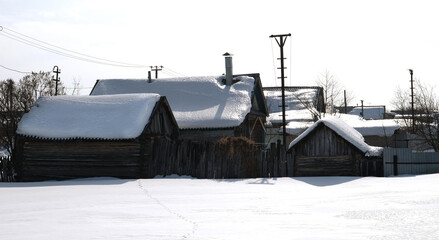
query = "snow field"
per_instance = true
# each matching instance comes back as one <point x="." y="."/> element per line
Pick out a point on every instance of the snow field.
<point x="186" y="208"/>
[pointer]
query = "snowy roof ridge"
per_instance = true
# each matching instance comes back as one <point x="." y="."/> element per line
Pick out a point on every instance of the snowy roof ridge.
<point x="380" y="127"/>
<point x="102" y="117"/>
<point x="344" y="130"/>
<point x="196" y="102"/>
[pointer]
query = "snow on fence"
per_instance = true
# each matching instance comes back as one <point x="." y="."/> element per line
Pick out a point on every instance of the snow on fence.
<point x="6" y="172"/>
<point x="398" y="161"/>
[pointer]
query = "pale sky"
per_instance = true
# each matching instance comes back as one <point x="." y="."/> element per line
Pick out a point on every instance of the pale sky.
<point x="368" y="45"/>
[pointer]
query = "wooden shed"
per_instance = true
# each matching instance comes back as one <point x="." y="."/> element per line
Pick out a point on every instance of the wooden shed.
<point x="330" y="147"/>
<point x="66" y="137"/>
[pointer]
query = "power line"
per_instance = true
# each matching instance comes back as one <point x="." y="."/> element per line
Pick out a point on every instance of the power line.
<point x="62" y="51"/>
<point x="14" y="70"/>
<point x="170" y="73"/>
<point x="291" y="58"/>
<point x="46" y="43"/>
<point x="173" y="73"/>
<point x="274" y="64"/>
<point x="33" y="42"/>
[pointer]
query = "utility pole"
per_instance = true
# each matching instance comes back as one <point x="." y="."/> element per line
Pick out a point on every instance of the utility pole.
<point x="345" y="103"/>
<point x="362" y="109"/>
<point x="413" y="100"/>
<point x="149" y="77"/>
<point x="156" y="69"/>
<point x="56" y="70"/>
<point x="281" y="43"/>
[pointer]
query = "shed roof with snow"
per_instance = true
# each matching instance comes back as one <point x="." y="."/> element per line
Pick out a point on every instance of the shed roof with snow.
<point x="198" y="102"/>
<point x="89" y="117"/>
<point x="343" y="130"/>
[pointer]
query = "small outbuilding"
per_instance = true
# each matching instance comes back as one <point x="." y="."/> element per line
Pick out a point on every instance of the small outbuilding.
<point x="64" y="137"/>
<point x="330" y="147"/>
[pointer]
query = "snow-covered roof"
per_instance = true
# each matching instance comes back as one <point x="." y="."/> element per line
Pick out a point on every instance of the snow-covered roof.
<point x="368" y="112"/>
<point x="382" y="128"/>
<point x="88" y="117"/>
<point x="345" y="131"/>
<point x="300" y="103"/>
<point x="196" y="102"/>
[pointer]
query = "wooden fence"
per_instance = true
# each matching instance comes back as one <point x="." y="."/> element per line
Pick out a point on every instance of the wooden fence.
<point x="6" y="170"/>
<point x="229" y="158"/>
<point x="398" y="161"/>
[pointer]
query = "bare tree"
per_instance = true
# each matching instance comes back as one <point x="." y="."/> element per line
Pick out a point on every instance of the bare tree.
<point x="332" y="90"/>
<point x="76" y="86"/>
<point x="426" y="106"/>
<point x="18" y="98"/>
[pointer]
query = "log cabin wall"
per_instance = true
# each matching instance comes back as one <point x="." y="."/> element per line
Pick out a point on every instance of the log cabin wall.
<point x="162" y="121"/>
<point x="57" y="160"/>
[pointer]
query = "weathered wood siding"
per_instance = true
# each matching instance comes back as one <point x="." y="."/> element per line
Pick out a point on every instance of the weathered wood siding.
<point x="211" y="135"/>
<point x="6" y="169"/>
<point x="250" y="128"/>
<point x="162" y="122"/>
<point x="232" y="158"/>
<point x="41" y="160"/>
<point x="324" y="153"/>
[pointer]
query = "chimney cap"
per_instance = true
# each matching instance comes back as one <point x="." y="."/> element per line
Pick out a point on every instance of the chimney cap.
<point x="227" y="54"/>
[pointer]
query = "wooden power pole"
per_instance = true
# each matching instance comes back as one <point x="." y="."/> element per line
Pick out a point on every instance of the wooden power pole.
<point x="156" y="69"/>
<point x="57" y="71"/>
<point x="345" y="103"/>
<point x="413" y="100"/>
<point x="281" y="43"/>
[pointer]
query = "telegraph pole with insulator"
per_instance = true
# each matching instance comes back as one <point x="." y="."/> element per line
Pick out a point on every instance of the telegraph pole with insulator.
<point x="156" y="69"/>
<point x="281" y="43"/>
<point x="57" y="71"/>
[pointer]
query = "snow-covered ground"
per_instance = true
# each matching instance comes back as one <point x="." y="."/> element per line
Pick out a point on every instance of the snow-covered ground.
<point x="185" y="208"/>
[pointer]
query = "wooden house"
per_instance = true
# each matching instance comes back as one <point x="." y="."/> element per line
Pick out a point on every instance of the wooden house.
<point x="65" y="137"/>
<point x="205" y="108"/>
<point x="330" y="147"/>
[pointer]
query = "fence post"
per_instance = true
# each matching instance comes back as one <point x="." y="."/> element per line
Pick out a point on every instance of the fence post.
<point x="395" y="165"/>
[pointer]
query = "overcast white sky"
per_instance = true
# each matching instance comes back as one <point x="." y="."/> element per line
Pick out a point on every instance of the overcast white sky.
<point x="368" y="45"/>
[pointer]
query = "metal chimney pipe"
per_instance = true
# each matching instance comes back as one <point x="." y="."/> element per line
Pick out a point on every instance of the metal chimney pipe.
<point x="229" y="68"/>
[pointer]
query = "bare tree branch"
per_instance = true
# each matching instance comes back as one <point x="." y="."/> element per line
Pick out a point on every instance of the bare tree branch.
<point x="18" y="98"/>
<point x="332" y="90"/>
